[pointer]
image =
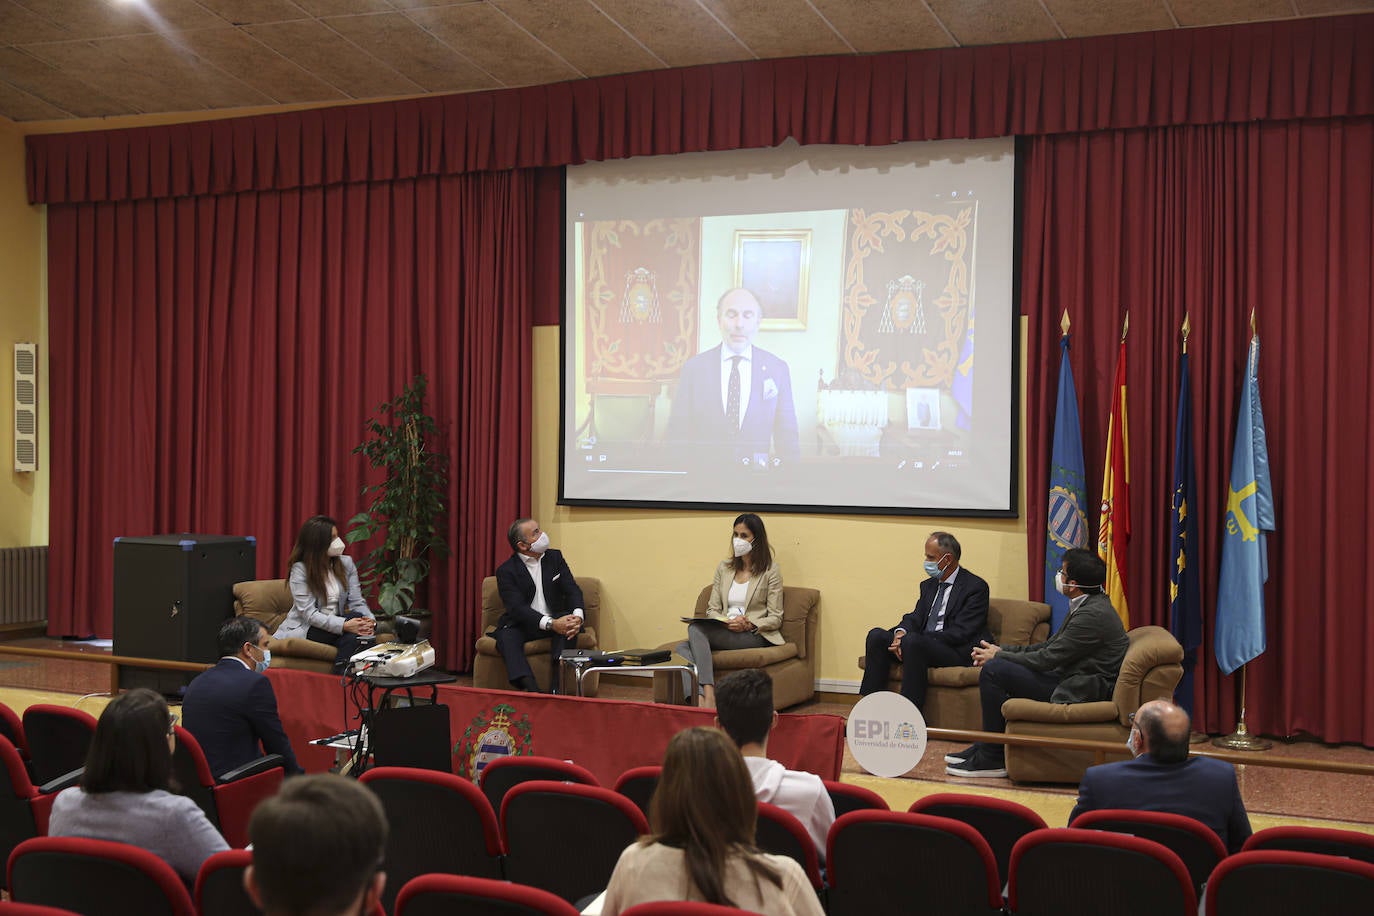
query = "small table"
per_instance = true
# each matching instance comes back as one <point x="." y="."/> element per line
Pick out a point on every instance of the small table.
<point x="581" y="667"/>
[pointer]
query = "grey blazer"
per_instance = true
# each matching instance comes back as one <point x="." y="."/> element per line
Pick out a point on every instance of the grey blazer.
<point x="762" y="603"/>
<point x="306" y="610"/>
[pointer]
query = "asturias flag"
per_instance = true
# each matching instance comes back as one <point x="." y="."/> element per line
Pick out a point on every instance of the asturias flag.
<point x="1114" y="524"/>
<point x="1066" y="517"/>
<point x="1249" y="514"/>
<point x="1185" y="596"/>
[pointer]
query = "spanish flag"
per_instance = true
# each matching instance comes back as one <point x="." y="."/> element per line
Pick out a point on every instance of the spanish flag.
<point x="1114" y="524"/>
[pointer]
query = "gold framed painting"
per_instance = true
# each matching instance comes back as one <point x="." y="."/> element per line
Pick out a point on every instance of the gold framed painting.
<point x="775" y="265"/>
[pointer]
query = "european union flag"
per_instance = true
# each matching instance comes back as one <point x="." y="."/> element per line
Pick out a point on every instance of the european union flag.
<point x="1249" y="514"/>
<point x="1185" y="596"/>
<point x="1066" y="521"/>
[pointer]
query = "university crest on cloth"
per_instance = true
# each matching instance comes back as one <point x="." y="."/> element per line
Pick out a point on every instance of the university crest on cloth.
<point x="490" y="735"/>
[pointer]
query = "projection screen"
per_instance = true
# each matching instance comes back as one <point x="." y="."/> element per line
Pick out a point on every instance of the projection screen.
<point x="793" y="328"/>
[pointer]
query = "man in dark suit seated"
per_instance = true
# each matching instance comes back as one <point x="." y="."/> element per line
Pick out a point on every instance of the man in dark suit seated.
<point x="1162" y="777"/>
<point x="542" y="601"/>
<point x="1079" y="663"/>
<point x="950" y="618"/>
<point x="231" y="709"/>
<point x="734" y="401"/>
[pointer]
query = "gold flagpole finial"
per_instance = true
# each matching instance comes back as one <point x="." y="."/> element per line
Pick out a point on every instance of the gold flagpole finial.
<point x="1125" y="325"/>
<point x="1187" y="326"/>
<point x="1254" y="330"/>
<point x="1064" y="324"/>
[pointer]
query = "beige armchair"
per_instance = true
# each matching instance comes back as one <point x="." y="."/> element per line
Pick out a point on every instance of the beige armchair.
<point x="269" y="600"/>
<point x="952" y="696"/>
<point x="489" y="669"/>
<point x="1151" y="670"/>
<point x="792" y="665"/>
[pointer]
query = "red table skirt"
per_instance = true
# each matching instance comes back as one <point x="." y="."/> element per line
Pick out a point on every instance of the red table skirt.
<point x="605" y="736"/>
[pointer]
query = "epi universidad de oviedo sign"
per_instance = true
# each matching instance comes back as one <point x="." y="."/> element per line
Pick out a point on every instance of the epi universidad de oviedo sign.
<point x="886" y="734"/>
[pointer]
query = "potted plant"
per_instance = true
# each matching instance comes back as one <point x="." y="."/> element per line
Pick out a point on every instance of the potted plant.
<point x="406" y="506"/>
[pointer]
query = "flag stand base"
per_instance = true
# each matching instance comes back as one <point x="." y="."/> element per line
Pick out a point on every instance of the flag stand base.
<point x="1197" y="738"/>
<point x="1242" y="740"/>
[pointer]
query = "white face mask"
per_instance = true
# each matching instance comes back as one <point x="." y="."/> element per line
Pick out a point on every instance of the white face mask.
<point x="336" y="547"/>
<point x="741" y="546"/>
<point x="265" y="663"/>
<point x="541" y="543"/>
<point x="1060" y="585"/>
<point x="1130" y="742"/>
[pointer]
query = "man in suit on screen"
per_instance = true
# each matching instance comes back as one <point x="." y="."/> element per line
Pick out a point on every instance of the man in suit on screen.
<point x="542" y="601"/>
<point x="231" y="709"/>
<point x="1162" y="777"/>
<point x="735" y="400"/>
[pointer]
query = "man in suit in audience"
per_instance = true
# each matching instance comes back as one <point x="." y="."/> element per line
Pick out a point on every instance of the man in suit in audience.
<point x="735" y="400"/>
<point x="950" y="618"/>
<point x="1079" y="663"/>
<point x="231" y="709"/>
<point x="542" y="601"/>
<point x="1162" y="777"/>
<point x="744" y="709"/>
<point x="317" y="849"/>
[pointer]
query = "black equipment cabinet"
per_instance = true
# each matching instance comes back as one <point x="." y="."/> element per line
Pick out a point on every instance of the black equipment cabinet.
<point x="171" y="594"/>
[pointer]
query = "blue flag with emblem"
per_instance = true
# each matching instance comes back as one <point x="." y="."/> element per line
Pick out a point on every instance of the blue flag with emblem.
<point x="1185" y="596"/>
<point x="1065" y="519"/>
<point x="1239" y="634"/>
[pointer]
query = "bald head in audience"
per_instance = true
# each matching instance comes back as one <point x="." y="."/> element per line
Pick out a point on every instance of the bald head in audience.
<point x="1161" y="730"/>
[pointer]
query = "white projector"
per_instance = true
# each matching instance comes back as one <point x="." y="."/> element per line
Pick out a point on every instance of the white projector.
<point x="393" y="659"/>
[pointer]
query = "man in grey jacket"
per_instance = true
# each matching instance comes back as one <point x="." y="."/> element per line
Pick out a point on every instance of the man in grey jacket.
<point x="1079" y="663"/>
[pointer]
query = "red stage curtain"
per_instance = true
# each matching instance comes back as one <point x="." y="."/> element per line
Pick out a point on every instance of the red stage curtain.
<point x="1307" y="68"/>
<point x="214" y="360"/>
<point x="1216" y="221"/>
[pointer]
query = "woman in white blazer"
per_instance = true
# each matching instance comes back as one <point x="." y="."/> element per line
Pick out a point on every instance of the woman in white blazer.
<point x="745" y="608"/>
<point x="326" y="601"/>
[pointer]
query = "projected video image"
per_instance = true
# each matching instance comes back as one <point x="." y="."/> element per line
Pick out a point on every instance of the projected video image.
<point x="734" y="336"/>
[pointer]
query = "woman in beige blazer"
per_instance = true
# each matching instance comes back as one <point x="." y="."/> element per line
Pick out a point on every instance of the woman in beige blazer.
<point x="745" y="608"/>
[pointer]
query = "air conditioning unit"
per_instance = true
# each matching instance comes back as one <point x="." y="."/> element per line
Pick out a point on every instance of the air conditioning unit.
<point x="25" y="407"/>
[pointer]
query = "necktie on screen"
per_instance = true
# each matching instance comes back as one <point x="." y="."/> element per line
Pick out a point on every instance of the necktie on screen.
<point x="732" y="395"/>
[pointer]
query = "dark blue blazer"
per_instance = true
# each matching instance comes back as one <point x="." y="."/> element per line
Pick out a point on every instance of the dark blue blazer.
<point x="1198" y="787"/>
<point x="769" y="425"/>
<point x="232" y="710"/>
<point x="513" y="581"/>
<point x="966" y="613"/>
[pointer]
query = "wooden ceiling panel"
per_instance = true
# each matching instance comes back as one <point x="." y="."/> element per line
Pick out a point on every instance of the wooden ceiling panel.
<point x="1079" y="18"/>
<point x="679" y="32"/>
<point x="59" y="88"/>
<point x="27" y="107"/>
<point x="241" y="55"/>
<point x="994" y="22"/>
<point x="402" y="44"/>
<point x="19" y="26"/>
<point x="495" y="43"/>
<point x="885" y="25"/>
<point x="104" y="19"/>
<point x="778" y="28"/>
<point x="88" y="58"/>
<point x="329" y="56"/>
<point x="581" y="34"/>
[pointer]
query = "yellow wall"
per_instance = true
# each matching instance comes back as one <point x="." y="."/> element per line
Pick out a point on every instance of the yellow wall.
<point x="23" y="317"/>
<point x="653" y="562"/>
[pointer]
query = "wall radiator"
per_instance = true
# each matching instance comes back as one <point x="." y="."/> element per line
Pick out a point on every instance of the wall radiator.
<point x="23" y="585"/>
